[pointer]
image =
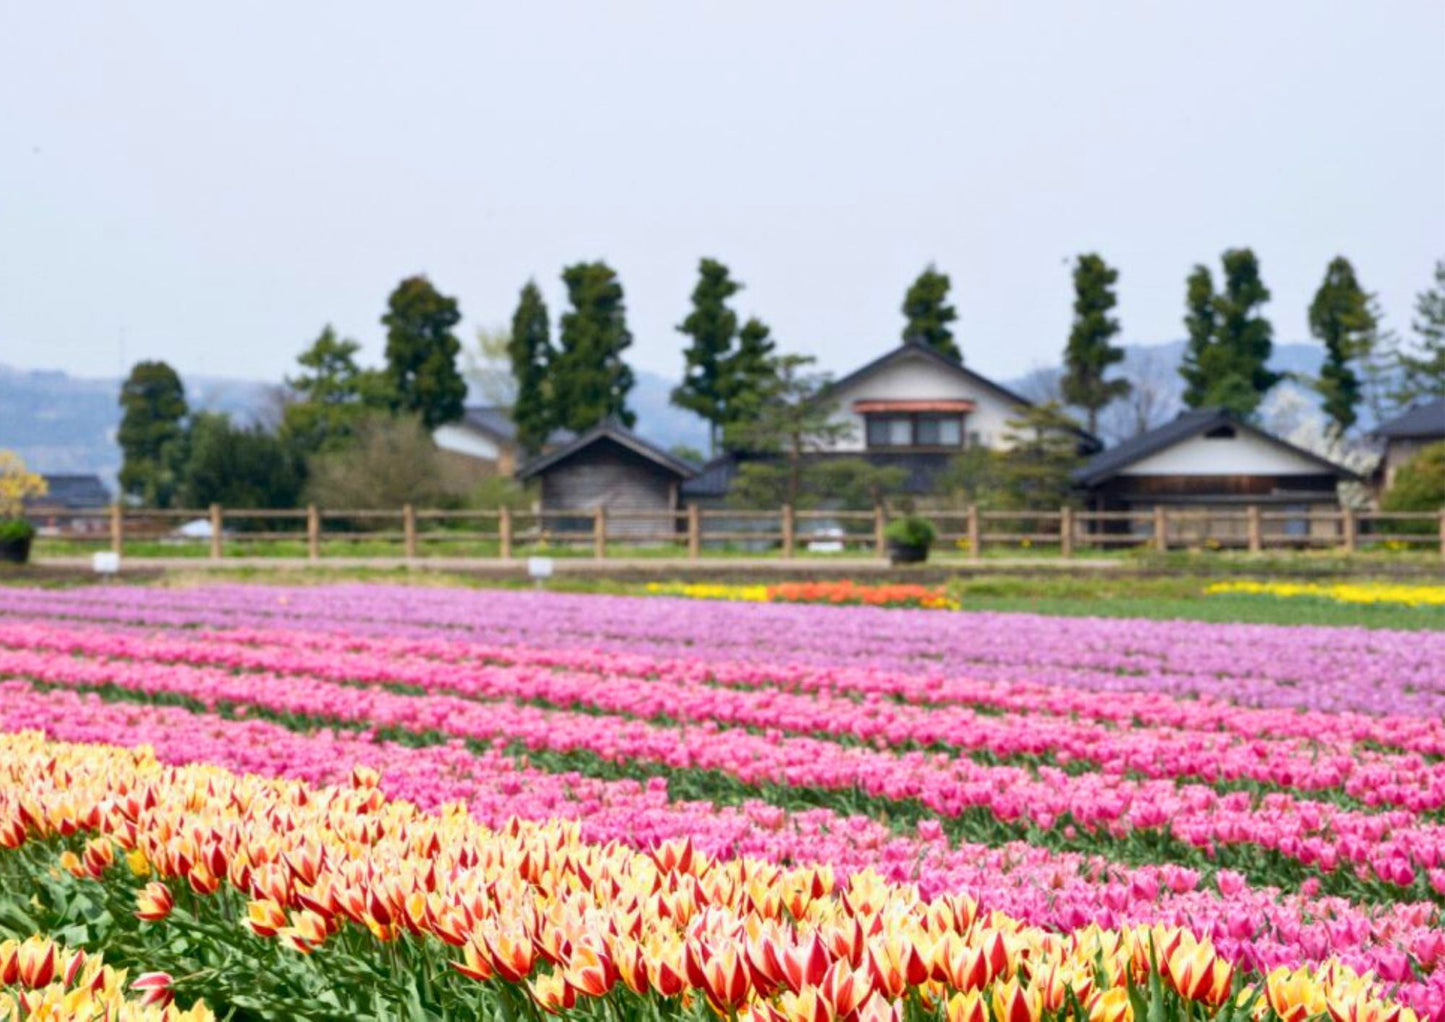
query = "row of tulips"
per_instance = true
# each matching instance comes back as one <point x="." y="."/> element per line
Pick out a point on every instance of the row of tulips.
<point x="1331" y="669"/>
<point x="450" y="917"/>
<point x="841" y="593"/>
<point x="1395" y="847"/>
<point x="43" y="980"/>
<point x="1311" y="764"/>
<point x="1343" y="592"/>
<point x="1260" y="929"/>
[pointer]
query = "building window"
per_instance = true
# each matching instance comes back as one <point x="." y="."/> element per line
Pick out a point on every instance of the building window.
<point x="917" y="430"/>
<point x="1220" y="433"/>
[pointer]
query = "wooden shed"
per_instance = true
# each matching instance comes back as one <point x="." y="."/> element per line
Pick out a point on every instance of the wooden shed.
<point x="613" y="468"/>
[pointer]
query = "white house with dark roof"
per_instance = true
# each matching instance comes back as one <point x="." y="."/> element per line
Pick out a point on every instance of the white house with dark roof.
<point x="1407" y="435"/>
<point x="486" y="433"/>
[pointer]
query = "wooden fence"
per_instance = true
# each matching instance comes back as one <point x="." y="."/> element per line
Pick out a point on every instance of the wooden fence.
<point x="694" y="533"/>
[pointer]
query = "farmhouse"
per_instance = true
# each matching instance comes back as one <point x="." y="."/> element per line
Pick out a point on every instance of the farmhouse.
<point x="612" y="468"/>
<point x="67" y="500"/>
<point x="486" y="434"/>
<point x="1207" y="457"/>
<point x="1407" y="435"/>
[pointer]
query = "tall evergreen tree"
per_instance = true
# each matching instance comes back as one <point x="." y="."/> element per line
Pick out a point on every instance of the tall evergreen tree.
<point x="330" y="394"/>
<point x="748" y="374"/>
<point x="531" y="353"/>
<point x="152" y="433"/>
<point x="712" y="326"/>
<point x="590" y="380"/>
<point x="1342" y="320"/>
<point x="1199" y="322"/>
<point x="421" y="352"/>
<point x="926" y="308"/>
<point x="1089" y="353"/>
<point x="1422" y="369"/>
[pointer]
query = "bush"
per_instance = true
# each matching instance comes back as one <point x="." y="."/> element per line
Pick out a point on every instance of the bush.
<point x="910" y="531"/>
<point x="13" y="530"/>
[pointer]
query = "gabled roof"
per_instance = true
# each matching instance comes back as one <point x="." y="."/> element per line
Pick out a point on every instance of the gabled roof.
<point x="1187" y="425"/>
<point x="916" y="349"/>
<point x="1426" y="420"/>
<point x="72" y="491"/>
<point x="496" y="422"/>
<point x="609" y="429"/>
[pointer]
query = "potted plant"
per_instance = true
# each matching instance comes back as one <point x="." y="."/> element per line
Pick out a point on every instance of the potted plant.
<point x="16" y="485"/>
<point x="909" y="539"/>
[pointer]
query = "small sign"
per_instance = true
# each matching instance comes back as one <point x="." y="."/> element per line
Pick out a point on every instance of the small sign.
<point x="105" y="562"/>
<point x="539" y="567"/>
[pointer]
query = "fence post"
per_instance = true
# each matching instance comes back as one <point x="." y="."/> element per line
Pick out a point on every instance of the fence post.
<point x="1442" y="532"/>
<point x="1066" y="532"/>
<point x="694" y="532"/>
<point x="408" y="531"/>
<point x="975" y="537"/>
<point x="504" y="533"/>
<point x="1255" y="528"/>
<point x="880" y="520"/>
<point x="1351" y="529"/>
<point x="313" y="533"/>
<point x="599" y="532"/>
<point x="1161" y="529"/>
<point x="215" y="532"/>
<point x="789" y="531"/>
<point x="117" y="528"/>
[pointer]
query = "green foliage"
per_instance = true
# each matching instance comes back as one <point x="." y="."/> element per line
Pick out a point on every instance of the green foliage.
<point x="972" y="476"/>
<point x="747" y="374"/>
<point x="1422" y="368"/>
<point x="1230" y="342"/>
<point x="1089" y="353"/>
<point x="151" y="432"/>
<point x="532" y="357"/>
<point x="910" y="531"/>
<point x="238" y="467"/>
<point x="330" y="394"/>
<point x="1419" y="484"/>
<point x="853" y="482"/>
<point x="926" y="308"/>
<point x="590" y="380"/>
<point x="712" y="328"/>
<point x="14" y="530"/>
<point x="421" y="352"/>
<point x="687" y="453"/>
<point x="390" y="461"/>
<point x="1341" y="318"/>
<point x="1034" y="471"/>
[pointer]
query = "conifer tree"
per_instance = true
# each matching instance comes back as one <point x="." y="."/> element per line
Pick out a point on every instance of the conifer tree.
<point x="532" y="356"/>
<point x="421" y="352"/>
<point x="1341" y="319"/>
<point x="928" y="313"/>
<point x="1089" y="353"/>
<point x="590" y="379"/>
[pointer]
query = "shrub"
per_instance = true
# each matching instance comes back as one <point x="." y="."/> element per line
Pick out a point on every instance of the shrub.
<point x="13" y="530"/>
<point x="910" y="531"/>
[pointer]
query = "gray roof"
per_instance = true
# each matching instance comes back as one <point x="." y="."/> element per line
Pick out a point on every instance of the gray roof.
<point x="609" y="429"/>
<point x="1426" y="420"/>
<point x="1109" y="463"/>
<point x="73" y="492"/>
<point x="496" y="422"/>
<point x="921" y="469"/>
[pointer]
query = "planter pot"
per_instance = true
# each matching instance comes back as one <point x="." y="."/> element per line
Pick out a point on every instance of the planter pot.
<point x="15" y="551"/>
<point x="906" y="553"/>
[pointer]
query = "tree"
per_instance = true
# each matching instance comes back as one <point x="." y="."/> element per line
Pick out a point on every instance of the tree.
<point x="590" y="380"/>
<point x="1226" y="360"/>
<point x="240" y="467"/>
<point x="530" y="350"/>
<point x="488" y="369"/>
<point x="1422" y="369"/>
<point x="330" y="394"/>
<point x="421" y="352"/>
<point x="748" y="374"/>
<point x="1035" y="470"/>
<point x="1419" y="486"/>
<point x="151" y="432"/>
<point x="1342" y="320"/>
<point x="1089" y="353"/>
<point x="390" y="461"/>
<point x="795" y="419"/>
<point x="712" y="327"/>
<point x="928" y="314"/>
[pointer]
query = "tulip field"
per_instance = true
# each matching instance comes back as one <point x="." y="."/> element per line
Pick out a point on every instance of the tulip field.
<point x="383" y="802"/>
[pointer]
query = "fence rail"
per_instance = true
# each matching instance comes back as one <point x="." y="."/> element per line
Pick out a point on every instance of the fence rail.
<point x="694" y="532"/>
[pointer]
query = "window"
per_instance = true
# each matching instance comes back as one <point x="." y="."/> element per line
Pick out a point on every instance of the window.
<point x="939" y="431"/>
<point x="890" y="431"/>
<point x="1220" y="433"/>
<point x="917" y="430"/>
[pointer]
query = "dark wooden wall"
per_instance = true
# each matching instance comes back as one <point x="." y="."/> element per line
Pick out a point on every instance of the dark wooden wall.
<point x="612" y="477"/>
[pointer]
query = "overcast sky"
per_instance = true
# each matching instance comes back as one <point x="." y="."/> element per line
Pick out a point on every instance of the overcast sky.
<point x="214" y="182"/>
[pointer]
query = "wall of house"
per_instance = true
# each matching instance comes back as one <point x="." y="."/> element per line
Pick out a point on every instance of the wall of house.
<point x="462" y="439"/>
<point x="919" y="378"/>
<point x="610" y="476"/>
<point x="1244" y="454"/>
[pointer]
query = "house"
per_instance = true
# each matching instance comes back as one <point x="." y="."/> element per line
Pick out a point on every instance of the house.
<point x="612" y="468"/>
<point x="1209" y="458"/>
<point x="912" y="408"/>
<point x="1406" y="436"/>
<point x="71" y="504"/>
<point x="486" y="434"/>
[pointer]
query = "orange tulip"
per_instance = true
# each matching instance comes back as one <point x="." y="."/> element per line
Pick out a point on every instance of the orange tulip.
<point x="590" y="972"/>
<point x="511" y="954"/>
<point x="264" y="917"/>
<point x="154" y="902"/>
<point x="306" y="933"/>
<point x="552" y="993"/>
<point x="1294" y="995"/>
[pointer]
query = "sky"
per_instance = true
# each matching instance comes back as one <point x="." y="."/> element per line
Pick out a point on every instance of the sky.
<point x="210" y="184"/>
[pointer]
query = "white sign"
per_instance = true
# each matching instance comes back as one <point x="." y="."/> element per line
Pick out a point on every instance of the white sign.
<point x="105" y="562"/>
<point x="539" y="567"/>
